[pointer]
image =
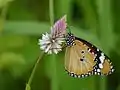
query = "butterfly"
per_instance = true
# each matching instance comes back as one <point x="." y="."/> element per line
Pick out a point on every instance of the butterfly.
<point x="83" y="59"/>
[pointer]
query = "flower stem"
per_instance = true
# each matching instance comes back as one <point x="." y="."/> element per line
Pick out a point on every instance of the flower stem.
<point x="51" y="11"/>
<point x="34" y="69"/>
<point x="3" y="17"/>
<point x="54" y="81"/>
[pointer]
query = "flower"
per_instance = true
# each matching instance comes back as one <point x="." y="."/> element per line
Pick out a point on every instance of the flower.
<point x="52" y="43"/>
<point x="59" y="28"/>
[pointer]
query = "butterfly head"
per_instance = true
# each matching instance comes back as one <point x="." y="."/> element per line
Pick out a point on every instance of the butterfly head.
<point x="70" y="39"/>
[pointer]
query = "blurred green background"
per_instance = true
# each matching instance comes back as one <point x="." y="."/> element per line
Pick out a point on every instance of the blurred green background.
<point x="23" y="21"/>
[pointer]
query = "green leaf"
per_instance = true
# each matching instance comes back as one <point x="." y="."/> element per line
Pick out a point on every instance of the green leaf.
<point x="26" y="28"/>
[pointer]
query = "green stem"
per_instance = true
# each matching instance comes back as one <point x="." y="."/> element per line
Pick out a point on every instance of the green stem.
<point x="34" y="69"/>
<point x="54" y="81"/>
<point x="3" y="17"/>
<point x="4" y="11"/>
<point x="51" y="12"/>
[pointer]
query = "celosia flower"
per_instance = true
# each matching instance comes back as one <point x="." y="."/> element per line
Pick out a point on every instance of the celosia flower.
<point x="52" y="43"/>
<point x="59" y="28"/>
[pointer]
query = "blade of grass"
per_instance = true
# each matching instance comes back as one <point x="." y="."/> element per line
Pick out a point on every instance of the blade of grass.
<point x="106" y="34"/>
<point x="63" y="7"/>
<point x="106" y="24"/>
<point x="90" y="15"/>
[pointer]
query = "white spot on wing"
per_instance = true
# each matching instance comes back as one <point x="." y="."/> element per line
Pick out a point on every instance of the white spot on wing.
<point x="98" y="73"/>
<point x="82" y="75"/>
<point x="100" y="65"/>
<point x="95" y="73"/>
<point x="75" y="75"/>
<point x="112" y="70"/>
<point x="97" y="49"/>
<point x="98" y="70"/>
<point x="78" y="76"/>
<point x="111" y="67"/>
<point x="72" y="74"/>
<point x="102" y="58"/>
<point x="102" y="54"/>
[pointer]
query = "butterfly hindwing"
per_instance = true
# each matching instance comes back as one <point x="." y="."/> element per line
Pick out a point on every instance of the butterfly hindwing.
<point x="84" y="59"/>
<point x="79" y="62"/>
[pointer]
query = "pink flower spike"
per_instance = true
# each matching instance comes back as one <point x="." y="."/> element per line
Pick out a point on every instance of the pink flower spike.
<point x="59" y="28"/>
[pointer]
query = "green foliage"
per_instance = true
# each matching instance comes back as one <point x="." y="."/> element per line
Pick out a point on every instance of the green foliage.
<point x="4" y="2"/>
<point x="96" y="21"/>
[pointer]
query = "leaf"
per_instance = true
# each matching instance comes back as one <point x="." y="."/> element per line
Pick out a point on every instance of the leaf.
<point x="26" y="28"/>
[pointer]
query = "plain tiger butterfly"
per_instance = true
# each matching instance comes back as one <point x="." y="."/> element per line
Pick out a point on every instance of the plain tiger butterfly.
<point x="83" y="59"/>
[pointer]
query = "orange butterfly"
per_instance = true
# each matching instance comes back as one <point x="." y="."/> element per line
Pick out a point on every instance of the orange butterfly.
<point x="83" y="59"/>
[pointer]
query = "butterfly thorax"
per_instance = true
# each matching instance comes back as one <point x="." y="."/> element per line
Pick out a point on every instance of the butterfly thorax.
<point x="70" y="39"/>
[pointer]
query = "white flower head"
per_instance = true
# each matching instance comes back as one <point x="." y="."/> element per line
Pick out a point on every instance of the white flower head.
<point x="52" y="43"/>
